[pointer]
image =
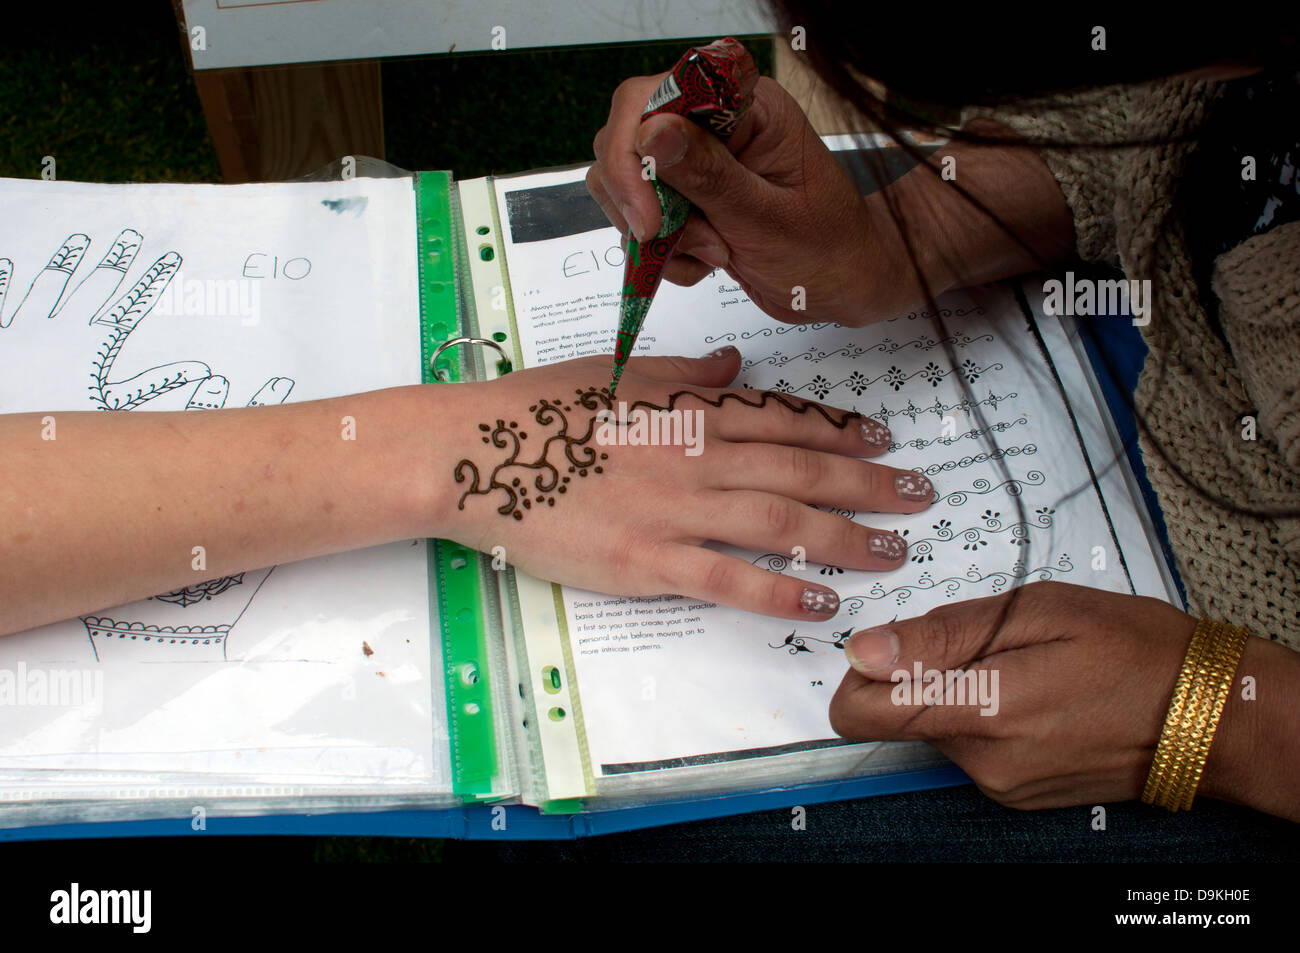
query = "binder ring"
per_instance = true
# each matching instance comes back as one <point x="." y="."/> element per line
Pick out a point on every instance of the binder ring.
<point x="454" y="342"/>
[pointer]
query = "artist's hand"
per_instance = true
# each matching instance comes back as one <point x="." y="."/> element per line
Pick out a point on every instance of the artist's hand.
<point x="1084" y="679"/>
<point x="543" y="480"/>
<point x="779" y="212"/>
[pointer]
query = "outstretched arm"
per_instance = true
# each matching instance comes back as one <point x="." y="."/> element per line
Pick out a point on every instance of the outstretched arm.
<point x="113" y="508"/>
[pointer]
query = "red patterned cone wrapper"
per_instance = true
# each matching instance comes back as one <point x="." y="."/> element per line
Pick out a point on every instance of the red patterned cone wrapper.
<point x="712" y="86"/>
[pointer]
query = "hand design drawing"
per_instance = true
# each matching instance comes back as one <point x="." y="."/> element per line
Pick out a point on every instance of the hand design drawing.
<point x="92" y="309"/>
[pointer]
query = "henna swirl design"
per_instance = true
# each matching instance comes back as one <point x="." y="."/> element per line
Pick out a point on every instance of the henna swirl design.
<point x="565" y="433"/>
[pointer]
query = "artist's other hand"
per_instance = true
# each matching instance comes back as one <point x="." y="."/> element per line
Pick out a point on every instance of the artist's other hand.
<point x="531" y="474"/>
<point x="779" y="212"/>
<point x="1084" y="679"/>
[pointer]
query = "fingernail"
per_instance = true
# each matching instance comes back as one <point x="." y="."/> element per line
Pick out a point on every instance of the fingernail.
<point x="665" y="142"/>
<point x="634" y="223"/>
<point x="875" y="433"/>
<point x="887" y="546"/>
<point x="821" y="601"/>
<point x="914" y="488"/>
<point x="872" y="651"/>
<point x="720" y="353"/>
<point x="709" y="252"/>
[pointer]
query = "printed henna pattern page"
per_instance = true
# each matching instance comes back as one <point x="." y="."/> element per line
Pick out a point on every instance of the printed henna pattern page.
<point x="668" y="681"/>
<point x="193" y="297"/>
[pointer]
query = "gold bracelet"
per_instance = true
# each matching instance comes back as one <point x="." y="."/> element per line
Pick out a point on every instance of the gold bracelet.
<point x="1212" y="696"/>
<point x="1194" y="711"/>
<point x="1168" y="749"/>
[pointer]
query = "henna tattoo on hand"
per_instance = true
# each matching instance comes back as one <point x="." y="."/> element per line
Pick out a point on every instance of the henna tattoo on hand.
<point x="545" y="477"/>
<point x="529" y="478"/>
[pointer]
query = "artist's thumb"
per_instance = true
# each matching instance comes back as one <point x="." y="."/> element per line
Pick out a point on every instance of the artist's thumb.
<point x="715" y="369"/>
<point x="701" y="167"/>
<point x="946" y="638"/>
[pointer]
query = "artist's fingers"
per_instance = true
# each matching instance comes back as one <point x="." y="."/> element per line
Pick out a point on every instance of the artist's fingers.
<point x="702" y="168"/>
<point x="771" y="522"/>
<point x="686" y="271"/>
<point x="774" y="417"/>
<point x="812" y="476"/>
<point x="704" y="574"/>
<point x="618" y="162"/>
<point x="959" y="634"/>
<point x="716" y="369"/>
<point x="775" y="136"/>
<point x="684" y="268"/>
<point x="701" y="240"/>
<point x="607" y="204"/>
<point x="955" y="636"/>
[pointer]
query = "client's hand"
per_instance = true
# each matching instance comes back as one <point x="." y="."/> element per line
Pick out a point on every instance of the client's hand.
<point x="619" y="497"/>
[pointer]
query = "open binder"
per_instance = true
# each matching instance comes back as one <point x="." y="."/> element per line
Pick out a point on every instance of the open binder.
<point x="540" y="724"/>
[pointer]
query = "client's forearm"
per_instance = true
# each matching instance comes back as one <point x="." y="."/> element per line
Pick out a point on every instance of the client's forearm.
<point x="122" y="506"/>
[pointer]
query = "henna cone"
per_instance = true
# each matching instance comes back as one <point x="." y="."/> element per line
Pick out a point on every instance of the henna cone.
<point x="712" y="86"/>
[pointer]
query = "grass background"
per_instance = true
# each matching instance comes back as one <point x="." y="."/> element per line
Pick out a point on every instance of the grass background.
<point x="112" y="100"/>
<point x="110" y="97"/>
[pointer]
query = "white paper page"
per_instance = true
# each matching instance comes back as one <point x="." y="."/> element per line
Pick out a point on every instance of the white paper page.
<point x="725" y="684"/>
<point x="290" y="291"/>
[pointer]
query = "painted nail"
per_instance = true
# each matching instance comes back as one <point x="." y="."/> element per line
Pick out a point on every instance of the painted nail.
<point x="720" y="353"/>
<point x="914" y="487"/>
<point x="887" y="546"/>
<point x="875" y="433"/>
<point x="820" y="601"/>
<point x="872" y="650"/>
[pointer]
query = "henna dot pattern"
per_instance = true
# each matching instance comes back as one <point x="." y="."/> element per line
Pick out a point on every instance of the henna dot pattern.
<point x="532" y="475"/>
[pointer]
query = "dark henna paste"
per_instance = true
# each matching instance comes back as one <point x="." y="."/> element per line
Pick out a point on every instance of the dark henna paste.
<point x="538" y="481"/>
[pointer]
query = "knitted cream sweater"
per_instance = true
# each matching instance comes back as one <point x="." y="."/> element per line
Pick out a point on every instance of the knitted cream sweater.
<point x="1195" y="390"/>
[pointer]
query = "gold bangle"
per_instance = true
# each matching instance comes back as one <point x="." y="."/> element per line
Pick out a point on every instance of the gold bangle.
<point x="1163" y="766"/>
<point x="1195" y="708"/>
<point x="1196" y="716"/>
<point x="1214" y="695"/>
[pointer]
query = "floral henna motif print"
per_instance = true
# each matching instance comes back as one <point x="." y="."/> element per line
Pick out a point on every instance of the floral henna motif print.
<point x="563" y="433"/>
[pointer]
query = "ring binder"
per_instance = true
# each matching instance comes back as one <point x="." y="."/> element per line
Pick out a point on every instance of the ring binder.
<point x="455" y="571"/>
<point x="504" y="365"/>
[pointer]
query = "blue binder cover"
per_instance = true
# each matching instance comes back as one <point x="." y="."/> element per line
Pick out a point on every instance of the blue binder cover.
<point x="510" y="822"/>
